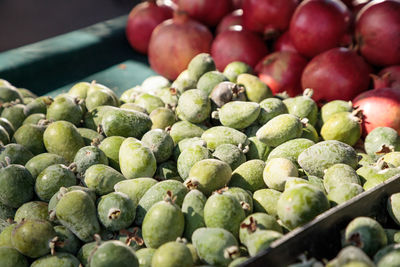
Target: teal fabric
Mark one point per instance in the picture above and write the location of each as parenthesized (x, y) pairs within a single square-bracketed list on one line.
[(92, 53)]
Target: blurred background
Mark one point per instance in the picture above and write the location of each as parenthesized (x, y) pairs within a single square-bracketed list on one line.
[(26, 21)]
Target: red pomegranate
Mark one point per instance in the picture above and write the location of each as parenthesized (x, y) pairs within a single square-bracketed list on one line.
[(380, 107), (175, 42), (268, 16), (338, 73), (209, 12), (235, 45), (284, 43), (141, 22), (319, 25), (281, 71), (388, 78), (232, 19), (378, 32)]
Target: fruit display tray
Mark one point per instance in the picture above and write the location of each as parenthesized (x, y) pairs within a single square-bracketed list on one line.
[(101, 52)]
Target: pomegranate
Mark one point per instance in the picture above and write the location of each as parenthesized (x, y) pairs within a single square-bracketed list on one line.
[(268, 16), (338, 73), (237, 4), (232, 19), (319, 25), (388, 78), (237, 45), (209, 12), (281, 71), (175, 42), (284, 43), (380, 107), (377, 32), (141, 22)]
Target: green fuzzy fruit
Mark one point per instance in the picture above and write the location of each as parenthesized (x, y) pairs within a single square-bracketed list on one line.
[(163, 222), (5, 235), (393, 207), (350, 255), (32, 237), (135, 188), (62, 138), (136, 160), (255, 222), (365, 233), (243, 196), (71, 243), (77, 211), (99, 95), (38, 106), (380, 136), (193, 106), (4, 136), (88, 135), (235, 68), (162, 118), (79, 90), (85, 253), (145, 256), (116, 211), (172, 254), (51, 179), (261, 240), (169, 96), (256, 90), (300, 204), (334, 107), (315, 159), (276, 171), (266, 200), (110, 146), (10, 257), (339, 174), (186, 143), (183, 82), (209, 175), (102, 178), (388, 256), (215, 246), (209, 80), (199, 65), (344, 192), (342, 126), (60, 260), (193, 211), (16, 153), (280, 129), (114, 253), (303, 106), (184, 129), (167, 171), (9, 94), (65, 108), (34, 210), (257, 149), (270, 108), (131, 236), (16, 186), (291, 149), (6, 212), (133, 106), (7, 126), (223, 211), (14, 114), (94, 117), (219, 135), (189, 157), (157, 193), (392, 158), (88, 156), (126, 123), (239, 114), (149, 102), (160, 143), (40, 162)]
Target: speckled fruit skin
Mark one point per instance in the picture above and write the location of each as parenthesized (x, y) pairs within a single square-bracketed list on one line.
[(303, 107), (71, 242), (36, 210), (40, 162), (163, 222), (209, 80), (338, 174), (193, 106), (65, 108), (300, 204), (261, 240), (230, 154), (235, 68), (344, 192), (315, 159), (88, 156), (393, 207), (160, 143), (184, 129), (16, 153), (199, 65), (110, 146), (381, 136), (333, 107), (219, 135), (102, 178), (249, 175), (193, 210), (77, 211), (223, 211), (290, 149), (265, 200), (145, 256), (256, 90), (60, 259), (149, 102), (172, 254), (277, 170), (31, 137), (342, 126), (189, 157), (114, 253), (135, 188), (211, 245), (10, 257), (365, 233), (239, 114), (262, 221)]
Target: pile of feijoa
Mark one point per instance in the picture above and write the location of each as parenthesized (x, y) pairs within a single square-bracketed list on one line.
[(208, 170)]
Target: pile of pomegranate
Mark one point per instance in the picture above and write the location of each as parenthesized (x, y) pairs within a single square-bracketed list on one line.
[(347, 50)]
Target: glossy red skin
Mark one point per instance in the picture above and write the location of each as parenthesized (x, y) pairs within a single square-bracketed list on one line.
[(281, 71), (388, 78), (175, 42), (319, 25), (378, 32), (380, 107), (264, 16), (338, 73), (237, 4), (232, 19), (243, 45), (284, 43), (141, 22), (209, 12)]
